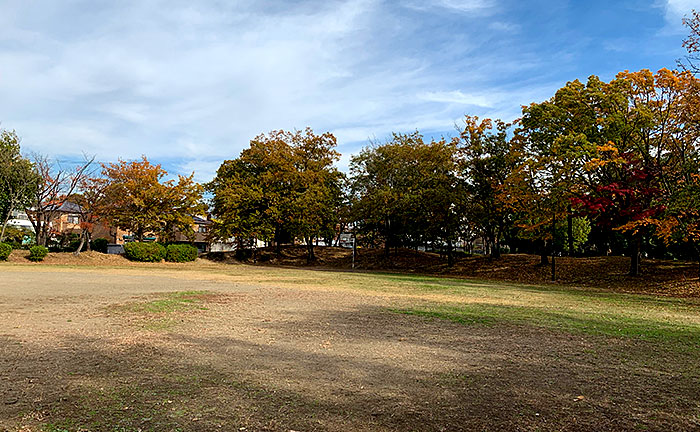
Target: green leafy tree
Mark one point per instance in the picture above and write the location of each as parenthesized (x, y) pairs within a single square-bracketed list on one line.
[(486, 164), (317, 187), (18, 179), (284, 183), (408, 192)]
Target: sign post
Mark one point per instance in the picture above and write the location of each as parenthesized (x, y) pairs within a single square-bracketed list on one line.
[(353, 251)]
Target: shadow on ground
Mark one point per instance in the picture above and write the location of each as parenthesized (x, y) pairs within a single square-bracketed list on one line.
[(360, 369)]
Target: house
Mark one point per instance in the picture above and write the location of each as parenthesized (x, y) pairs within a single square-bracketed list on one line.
[(68, 219), (201, 239)]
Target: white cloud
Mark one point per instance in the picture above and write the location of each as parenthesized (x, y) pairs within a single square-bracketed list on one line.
[(476, 7), (459, 98), (677, 9), (682, 7), (191, 83)]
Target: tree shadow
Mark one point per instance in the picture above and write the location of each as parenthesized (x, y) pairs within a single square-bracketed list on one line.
[(381, 371)]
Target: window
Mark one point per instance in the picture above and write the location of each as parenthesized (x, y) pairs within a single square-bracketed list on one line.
[(202, 229), (73, 220)]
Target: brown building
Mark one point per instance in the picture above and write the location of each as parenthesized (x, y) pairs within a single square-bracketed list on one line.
[(201, 237)]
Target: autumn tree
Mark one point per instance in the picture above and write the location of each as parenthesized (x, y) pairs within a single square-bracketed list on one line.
[(486, 149), (283, 184), (316, 192), (251, 192), (649, 125), (442, 195), (383, 182), (554, 140), (93, 206), (629, 203), (408, 192), (680, 220), (18, 179), (140, 200)]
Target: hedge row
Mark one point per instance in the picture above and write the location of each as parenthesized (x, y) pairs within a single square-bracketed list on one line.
[(181, 253), (144, 252), (156, 252), (99, 245)]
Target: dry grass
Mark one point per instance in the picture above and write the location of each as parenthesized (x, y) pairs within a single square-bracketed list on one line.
[(212, 346)]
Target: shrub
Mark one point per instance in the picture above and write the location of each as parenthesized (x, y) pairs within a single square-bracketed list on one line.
[(99, 245), (19, 238), (243, 254), (144, 252), (65, 242), (181, 253), (37, 253), (5, 251)]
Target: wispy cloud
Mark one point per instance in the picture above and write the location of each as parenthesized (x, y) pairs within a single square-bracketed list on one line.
[(677, 8), (191, 83), (463, 6), (458, 97)]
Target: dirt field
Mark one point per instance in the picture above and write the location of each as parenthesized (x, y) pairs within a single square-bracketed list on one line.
[(205, 346)]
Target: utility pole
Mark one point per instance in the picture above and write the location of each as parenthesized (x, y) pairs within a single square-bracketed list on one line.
[(554, 230)]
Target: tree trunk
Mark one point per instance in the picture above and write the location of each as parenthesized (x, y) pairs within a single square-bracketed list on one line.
[(310, 249), (337, 238), (42, 236), (495, 247), (387, 238), (450, 255), (4, 225), (495, 250), (83, 235), (278, 236), (634, 255)]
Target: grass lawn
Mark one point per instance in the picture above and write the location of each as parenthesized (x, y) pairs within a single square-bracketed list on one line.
[(208, 346)]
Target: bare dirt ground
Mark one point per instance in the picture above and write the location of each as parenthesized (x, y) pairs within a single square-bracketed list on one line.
[(113, 349)]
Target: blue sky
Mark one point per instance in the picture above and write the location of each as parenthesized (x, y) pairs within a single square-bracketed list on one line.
[(188, 84)]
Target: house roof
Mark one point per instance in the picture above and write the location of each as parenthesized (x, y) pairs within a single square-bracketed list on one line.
[(65, 207), (201, 221)]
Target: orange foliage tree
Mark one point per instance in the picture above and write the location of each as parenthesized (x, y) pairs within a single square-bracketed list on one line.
[(141, 201)]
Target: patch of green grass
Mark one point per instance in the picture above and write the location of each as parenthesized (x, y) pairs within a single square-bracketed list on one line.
[(169, 303), (158, 314), (669, 320), (591, 321)]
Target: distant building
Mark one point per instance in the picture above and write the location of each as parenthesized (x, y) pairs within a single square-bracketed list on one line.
[(201, 238), (68, 219), (19, 219)]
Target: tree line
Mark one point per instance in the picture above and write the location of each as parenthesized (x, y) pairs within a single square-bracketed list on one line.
[(612, 166), (132, 196)]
